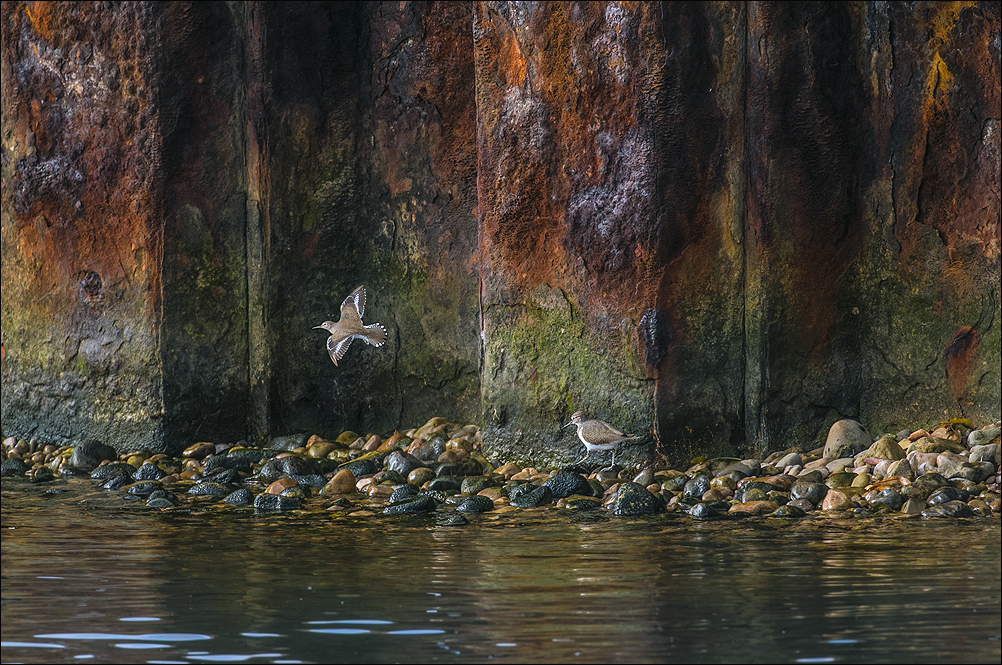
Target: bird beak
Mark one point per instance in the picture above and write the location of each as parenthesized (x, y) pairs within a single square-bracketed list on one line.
[(567, 425), (315, 327)]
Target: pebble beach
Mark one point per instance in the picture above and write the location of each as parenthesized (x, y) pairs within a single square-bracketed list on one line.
[(950, 470)]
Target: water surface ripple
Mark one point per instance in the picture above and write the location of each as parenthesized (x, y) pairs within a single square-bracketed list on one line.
[(90, 577)]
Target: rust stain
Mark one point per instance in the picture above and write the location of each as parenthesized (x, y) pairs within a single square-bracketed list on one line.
[(958, 357)]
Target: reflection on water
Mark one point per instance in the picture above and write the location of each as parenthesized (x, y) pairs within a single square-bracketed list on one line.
[(90, 577)]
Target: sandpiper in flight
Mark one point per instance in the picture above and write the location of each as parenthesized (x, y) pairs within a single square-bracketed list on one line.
[(350, 326)]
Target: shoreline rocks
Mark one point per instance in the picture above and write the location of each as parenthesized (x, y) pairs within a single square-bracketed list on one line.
[(951, 472)]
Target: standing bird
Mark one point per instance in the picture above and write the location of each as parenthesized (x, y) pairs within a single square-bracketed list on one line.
[(597, 434), (350, 326)]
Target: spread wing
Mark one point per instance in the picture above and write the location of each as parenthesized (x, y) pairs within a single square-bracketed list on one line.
[(357, 299), (337, 348)]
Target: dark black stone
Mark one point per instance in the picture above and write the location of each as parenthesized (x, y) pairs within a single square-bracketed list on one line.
[(634, 499), (443, 484), (531, 498), (275, 502), (12, 466), (888, 497), (476, 484), (159, 503), (392, 477), (462, 469), (511, 487), (402, 492), (361, 467), (296, 492), (209, 488), (696, 486), (706, 509), (149, 471), (218, 463), (808, 491), (42, 475), (240, 497), (475, 504), (943, 495), (420, 503), (288, 442), (788, 511), (117, 481), (246, 457), (113, 469), (89, 453), (292, 465), (224, 476), (949, 509), (748, 493), (142, 488), (452, 520), (567, 483), (401, 462), (309, 480)]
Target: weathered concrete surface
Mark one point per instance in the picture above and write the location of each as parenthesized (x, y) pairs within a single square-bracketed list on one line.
[(81, 237), (371, 180), (565, 185), (720, 226)]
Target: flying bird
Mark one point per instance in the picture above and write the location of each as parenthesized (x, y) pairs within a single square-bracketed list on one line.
[(350, 326)]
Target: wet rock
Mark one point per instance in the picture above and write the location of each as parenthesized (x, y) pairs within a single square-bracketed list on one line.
[(461, 469), (240, 497), (41, 475), (566, 483), (293, 465), (401, 462), (199, 450), (803, 504), (887, 497), (420, 503), (810, 476), (580, 503), (314, 480), (402, 492), (113, 469), (443, 484), (89, 453), (705, 509), (361, 467), (861, 480), (476, 484), (159, 502), (142, 488), (840, 479), (420, 476), (789, 511), (839, 465), (750, 493), (913, 506), (343, 482), (754, 507), (475, 504), (634, 499), (696, 487), (845, 439), (949, 509), (209, 488), (452, 520), (288, 442), (280, 485), (299, 492), (12, 466), (944, 495), (220, 463), (744, 468), (532, 498), (836, 500), (275, 502), (223, 476), (149, 471), (117, 481), (244, 458), (812, 492)]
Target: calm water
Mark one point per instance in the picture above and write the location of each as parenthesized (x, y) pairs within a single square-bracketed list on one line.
[(88, 577)]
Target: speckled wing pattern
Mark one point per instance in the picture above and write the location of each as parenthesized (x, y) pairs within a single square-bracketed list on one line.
[(337, 348), (356, 298)]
